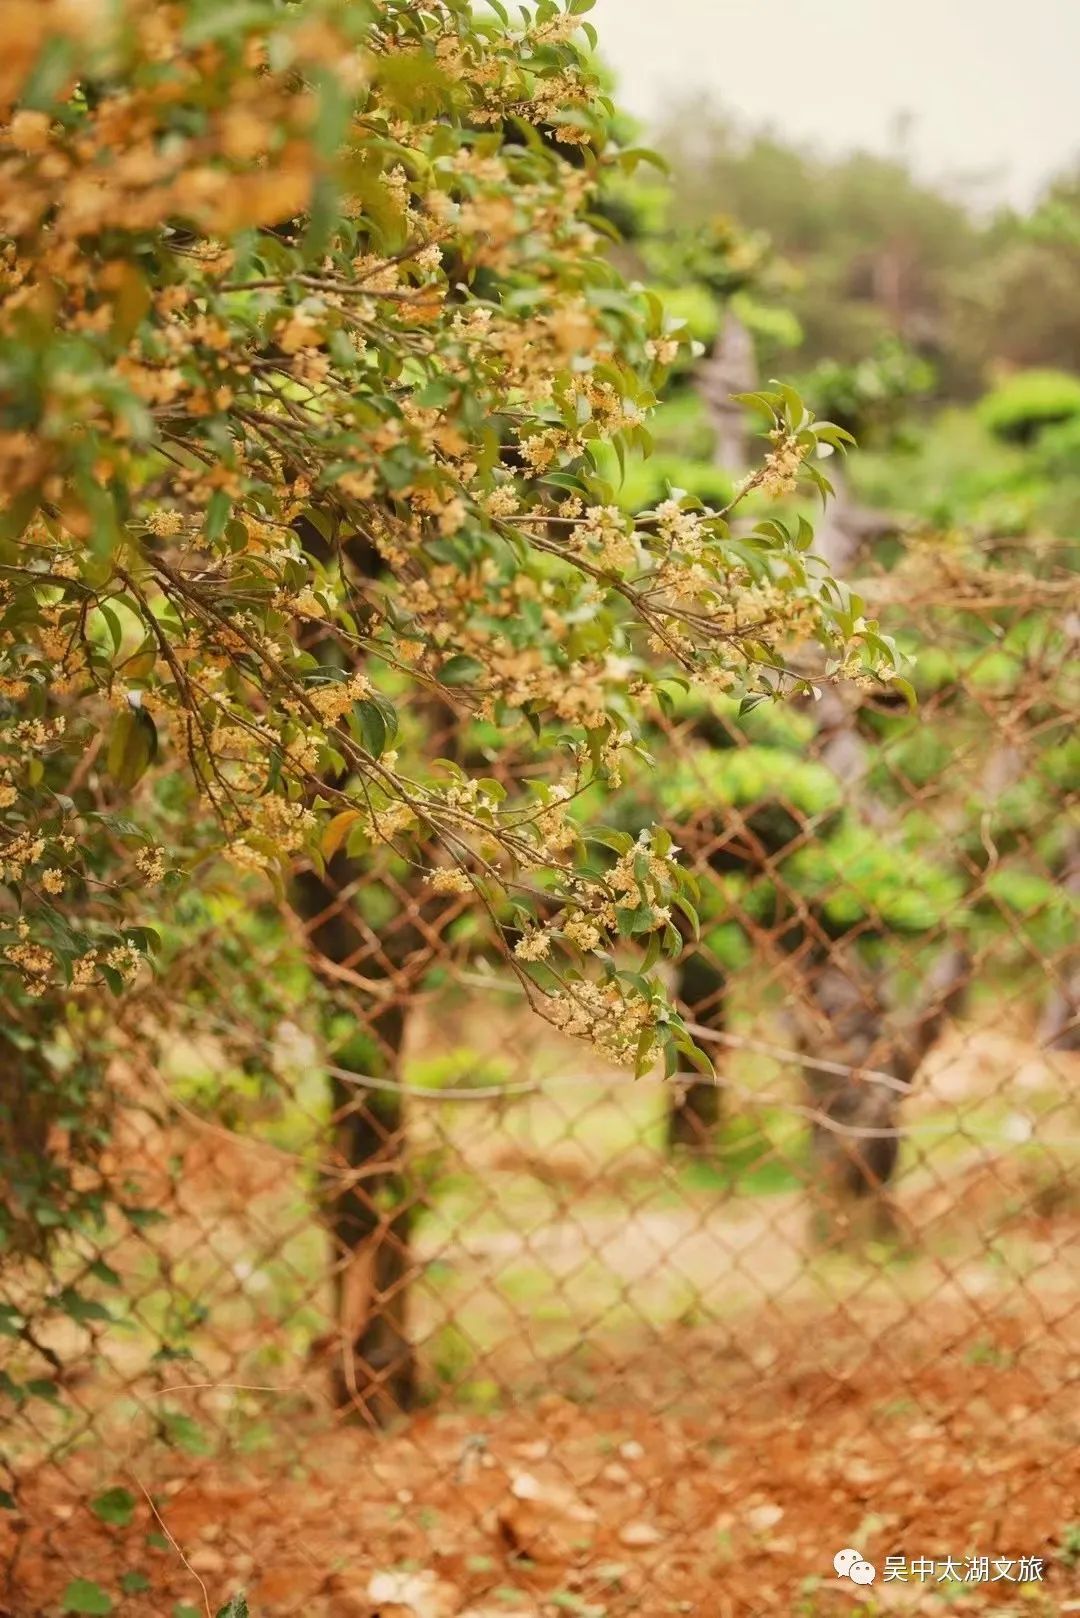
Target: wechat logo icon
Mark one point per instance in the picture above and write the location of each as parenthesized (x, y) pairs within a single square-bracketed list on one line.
[(849, 1564)]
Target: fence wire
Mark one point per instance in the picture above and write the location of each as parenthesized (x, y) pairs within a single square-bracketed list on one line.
[(420, 1310)]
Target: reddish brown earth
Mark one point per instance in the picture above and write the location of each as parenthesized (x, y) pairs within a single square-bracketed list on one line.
[(708, 1475)]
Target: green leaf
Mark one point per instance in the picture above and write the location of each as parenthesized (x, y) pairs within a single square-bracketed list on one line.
[(324, 211), (7, 1501), (689, 912), (76, 1307), (372, 723), (337, 830), (460, 670), (620, 842), (186, 1433), (217, 514), (225, 21), (13, 1390), (133, 746), (436, 393), (115, 1506), (564, 480), (696, 1056), (50, 74), (116, 634), (643, 1054), (41, 1388), (334, 105), (83, 1596), (631, 156), (764, 403), (11, 1322), (839, 437), (131, 1583), (235, 1607)]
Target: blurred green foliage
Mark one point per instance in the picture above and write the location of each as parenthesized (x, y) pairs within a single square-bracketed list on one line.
[(870, 396), (950, 470), (866, 251), (1022, 406)]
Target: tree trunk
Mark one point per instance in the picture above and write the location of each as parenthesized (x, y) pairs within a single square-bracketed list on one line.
[(370, 1223), (694, 1109), (29, 1104), (693, 1115), (855, 1135), (855, 1138), (730, 368), (365, 1194), (854, 1147)]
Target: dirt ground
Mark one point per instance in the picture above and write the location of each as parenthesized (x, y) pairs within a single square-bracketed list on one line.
[(711, 1475), (632, 1455)]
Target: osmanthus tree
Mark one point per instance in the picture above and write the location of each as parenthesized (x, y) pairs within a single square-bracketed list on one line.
[(308, 340)]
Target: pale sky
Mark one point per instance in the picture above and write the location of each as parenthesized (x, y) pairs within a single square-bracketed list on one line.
[(993, 85)]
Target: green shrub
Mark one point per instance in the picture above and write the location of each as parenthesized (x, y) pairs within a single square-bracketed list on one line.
[(857, 878), (870, 396), (744, 778), (1020, 408), (681, 427), (1058, 449), (1030, 907), (773, 329)]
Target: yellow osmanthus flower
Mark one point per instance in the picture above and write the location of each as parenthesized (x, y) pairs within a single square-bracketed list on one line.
[(583, 932), (35, 965), (445, 880), (610, 1017), (151, 864), (535, 946)]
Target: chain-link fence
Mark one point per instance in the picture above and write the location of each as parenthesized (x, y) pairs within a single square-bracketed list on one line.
[(415, 1308)]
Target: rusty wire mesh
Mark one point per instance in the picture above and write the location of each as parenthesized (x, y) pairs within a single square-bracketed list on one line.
[(428, 1312)]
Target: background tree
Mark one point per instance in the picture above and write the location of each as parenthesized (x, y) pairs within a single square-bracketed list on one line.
[(874, 254), (801, 853)]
